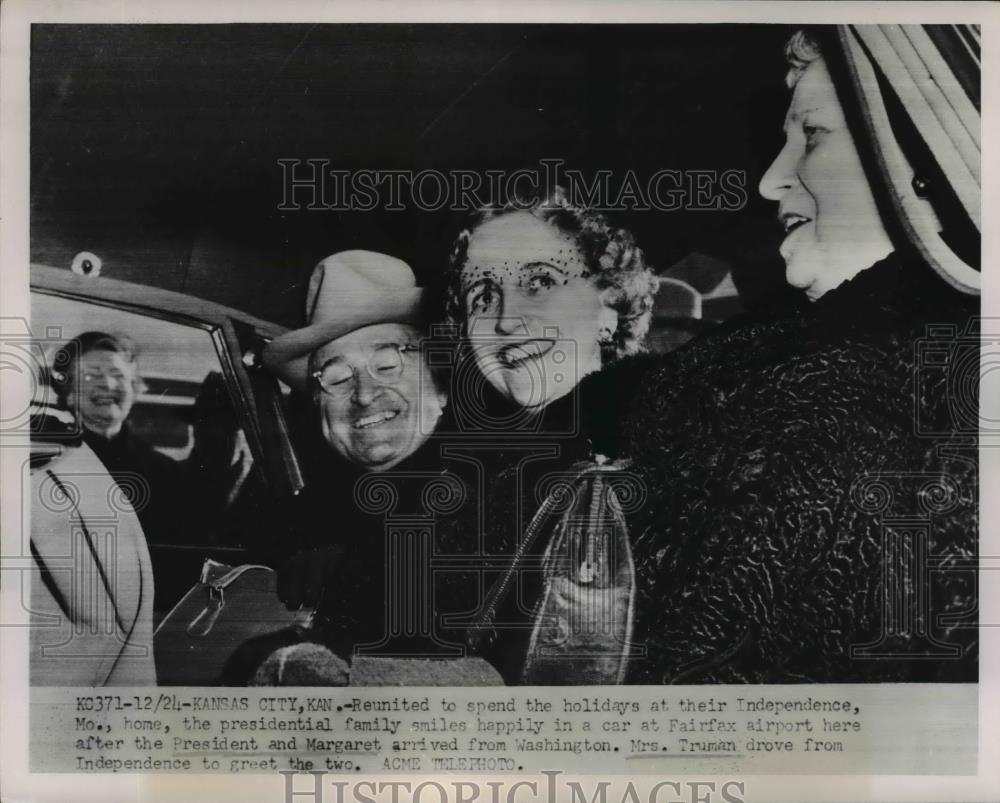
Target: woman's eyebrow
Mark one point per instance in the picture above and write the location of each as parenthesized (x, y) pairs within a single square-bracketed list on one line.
[(541, 264), (796, 115), (477, 284), (800, 113)]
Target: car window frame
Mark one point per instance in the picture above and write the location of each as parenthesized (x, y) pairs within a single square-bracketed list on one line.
[(267, 434)]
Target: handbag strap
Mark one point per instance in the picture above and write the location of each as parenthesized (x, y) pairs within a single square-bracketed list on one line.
[(212, 568), (582, 633), (215, 579), (483, 631)]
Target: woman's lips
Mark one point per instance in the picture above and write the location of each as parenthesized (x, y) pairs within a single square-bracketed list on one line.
[(794, 233), (516, 354)]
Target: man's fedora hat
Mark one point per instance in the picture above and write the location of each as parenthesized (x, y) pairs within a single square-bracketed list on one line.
[(347, 291)]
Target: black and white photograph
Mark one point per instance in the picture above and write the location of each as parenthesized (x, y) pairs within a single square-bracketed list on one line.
[(379, 359)]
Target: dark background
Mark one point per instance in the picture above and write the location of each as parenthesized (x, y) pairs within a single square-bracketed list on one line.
[(156, 146)]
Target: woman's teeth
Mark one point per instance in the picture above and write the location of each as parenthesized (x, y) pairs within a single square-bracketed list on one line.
[(790, 222), (513, 355), (376, 419)]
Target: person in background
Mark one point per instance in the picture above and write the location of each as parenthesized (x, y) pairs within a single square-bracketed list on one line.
[(94, 509), (98, 381)]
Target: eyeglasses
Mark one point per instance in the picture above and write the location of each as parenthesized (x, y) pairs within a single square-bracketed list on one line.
[(385, 366)]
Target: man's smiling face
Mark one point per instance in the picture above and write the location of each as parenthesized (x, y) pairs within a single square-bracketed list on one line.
[(377, 399)]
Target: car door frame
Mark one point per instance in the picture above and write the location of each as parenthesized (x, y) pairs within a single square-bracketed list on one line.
[(238, 339)]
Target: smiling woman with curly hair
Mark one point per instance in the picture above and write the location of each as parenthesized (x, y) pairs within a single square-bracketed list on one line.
[(546, 294)]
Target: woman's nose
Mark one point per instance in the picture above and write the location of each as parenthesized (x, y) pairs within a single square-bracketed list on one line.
[(780, 176), (511, 325), (510, 320)]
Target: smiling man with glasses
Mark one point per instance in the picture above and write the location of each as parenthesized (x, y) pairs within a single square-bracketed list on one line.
[(359, 356), (377, 398), (360, 362)]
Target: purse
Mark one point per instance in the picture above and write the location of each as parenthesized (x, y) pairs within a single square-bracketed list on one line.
[(582, 623)]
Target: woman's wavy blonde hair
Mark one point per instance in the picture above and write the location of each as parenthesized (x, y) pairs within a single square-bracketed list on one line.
[(613, 259), (801, 50)]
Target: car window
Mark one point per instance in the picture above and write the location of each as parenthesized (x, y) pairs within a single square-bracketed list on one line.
[(180, 433), (174, 362)]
